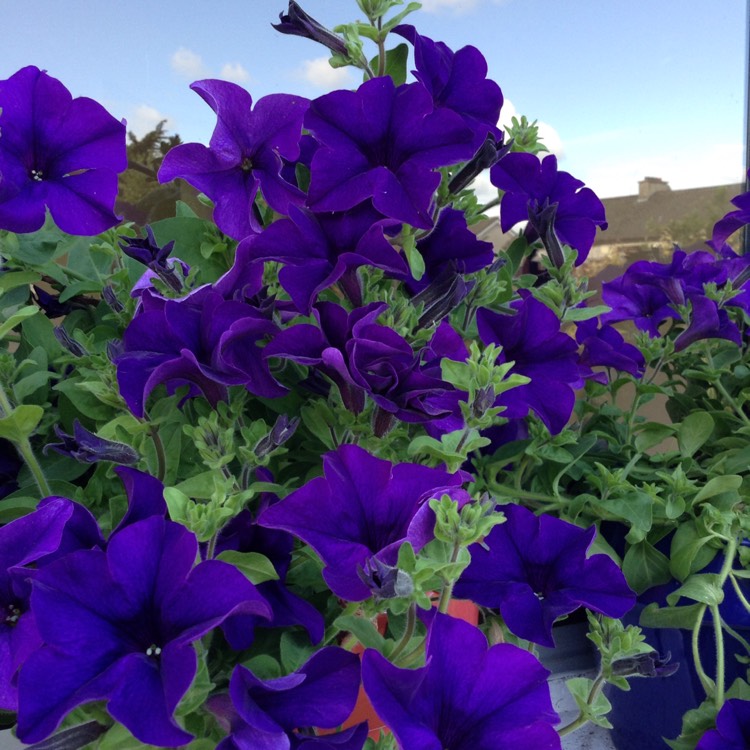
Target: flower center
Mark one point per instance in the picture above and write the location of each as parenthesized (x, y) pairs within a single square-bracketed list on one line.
[(153, 651), (36, 175), (12, 616), (247, 164)]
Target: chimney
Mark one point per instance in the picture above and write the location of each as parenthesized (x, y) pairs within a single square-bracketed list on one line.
[(650, 185)]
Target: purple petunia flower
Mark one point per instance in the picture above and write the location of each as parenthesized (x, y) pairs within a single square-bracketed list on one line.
[(732, 728), (119, 626), (383, 142), (23, 542), (451, 244), (730, 223), (276, 713), (244, 534), (201, 340), (457, 81), (533, 341), (534, 569), (321, 249), (245, 153), (298, 23), (59, 153), (348, 521), (466, 697), (538, 193), (604, 346)]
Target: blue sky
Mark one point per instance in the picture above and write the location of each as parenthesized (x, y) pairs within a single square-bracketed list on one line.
[(625, 89)]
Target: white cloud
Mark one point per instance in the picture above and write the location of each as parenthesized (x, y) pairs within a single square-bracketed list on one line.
[(145, 118), (716, 164), (234, 72), (188, 64), (320, 74)]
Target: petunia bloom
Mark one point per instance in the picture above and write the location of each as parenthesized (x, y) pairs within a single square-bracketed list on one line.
[(276, 713), (118, 625), (533, 188), (347, 521), (201, 340), (457, 81), (59, 153), (22, 543), (466, 697), (533, 341), (245, 153), (534, 569), (732, 728), (384, 143), (318, 250), (603, 346)]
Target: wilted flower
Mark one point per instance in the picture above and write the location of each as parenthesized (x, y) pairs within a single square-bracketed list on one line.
[(650, 664), (59, 153), (89, 448), (295, 21)]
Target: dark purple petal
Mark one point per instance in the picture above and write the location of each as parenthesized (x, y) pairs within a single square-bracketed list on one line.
[(535, 569), (472, 698), (347, 521), (58, 153)]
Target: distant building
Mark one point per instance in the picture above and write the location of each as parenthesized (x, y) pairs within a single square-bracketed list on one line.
[(647, 225)]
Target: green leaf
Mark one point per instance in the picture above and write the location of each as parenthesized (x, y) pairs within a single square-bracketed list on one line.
[(395, 63), (256, 568), (396, 20), (644, 566), (362, 629), (16, 507), (688, 551), (16, 318), (12, 279), (684, 617), (635, 507), (295, 649), (413, 256), (21, 422), (700, 587), (693, 432), (718, 485), (651, 434), (178, 504)]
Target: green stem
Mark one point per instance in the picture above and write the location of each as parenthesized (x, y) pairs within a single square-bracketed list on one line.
[(706, 682), (411, 621), (738, 410), (737, 590), (161, 458), (719, 639), (581, 719), (211, 548), (491, 204), (381, 49), (447, 592), (24, 449)]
